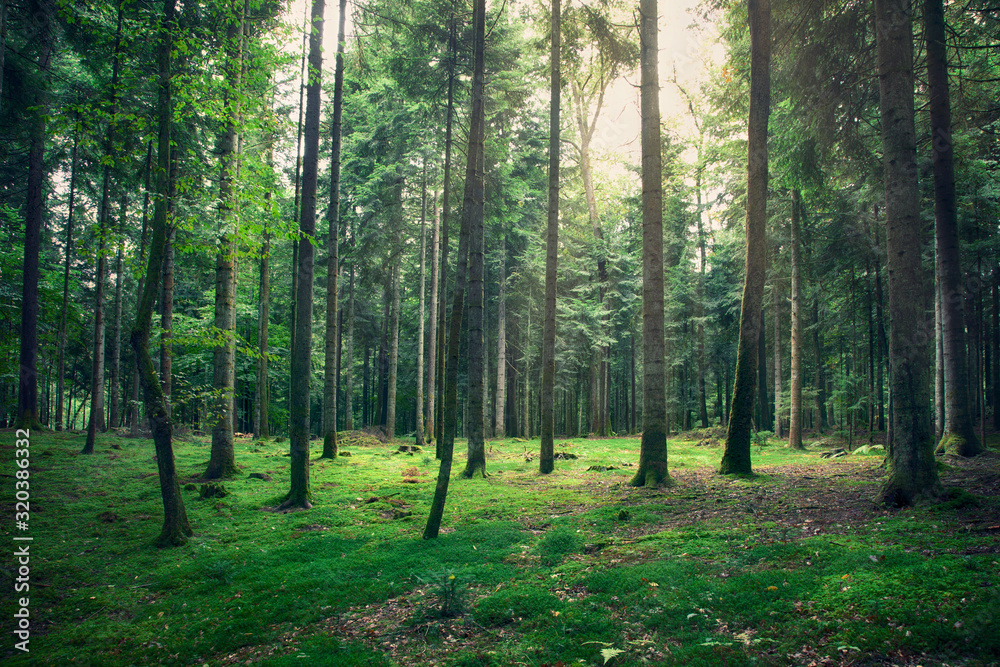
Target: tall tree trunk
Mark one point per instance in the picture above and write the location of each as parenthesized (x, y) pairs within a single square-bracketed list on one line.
[(473, 188), (939, 409), (912, 469), (501, 396), (262, 400), (97, 422), (881, 337), (432, 334), (475, 463), (222, 460), (795, 399), (778, 417), (763, 412), (27, 393), (382, 362), (546, 460), (959, 435), (331, 377), (299, 494), (736, 458), (176, 528), (116, 344), (393, 375), (134, 401), (349, 364), (166, 299), (652, 469), (61, 363), (445, 208), (419, 430)]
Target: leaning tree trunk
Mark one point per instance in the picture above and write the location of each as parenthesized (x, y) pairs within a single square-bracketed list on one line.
[(652, 470), (299, 493), (176, 528), (222, 460), (912, 469), (330, 374), (736, 457), (959, 436), (795, 400), (546, 460), (473, 187)]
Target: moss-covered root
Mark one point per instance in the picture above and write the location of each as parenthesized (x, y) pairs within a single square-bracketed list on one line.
[(959, 445), (901, 492)]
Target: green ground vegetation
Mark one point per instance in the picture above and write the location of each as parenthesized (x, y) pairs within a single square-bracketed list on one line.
[(796, 565)]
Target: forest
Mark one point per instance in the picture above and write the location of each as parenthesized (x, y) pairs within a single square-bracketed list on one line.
[(458, 332)]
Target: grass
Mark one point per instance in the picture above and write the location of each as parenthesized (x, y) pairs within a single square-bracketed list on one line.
[(793, 566)]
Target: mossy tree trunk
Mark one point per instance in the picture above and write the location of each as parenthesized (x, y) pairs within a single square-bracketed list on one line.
[(736, 457)]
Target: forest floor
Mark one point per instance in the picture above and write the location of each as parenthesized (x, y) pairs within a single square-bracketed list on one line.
[(796, 565)]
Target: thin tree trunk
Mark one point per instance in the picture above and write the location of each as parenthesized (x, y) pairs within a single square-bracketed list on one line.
[(116, 345), (331, 377), (97, 422), (473, 187), (652, 469), (995, 343), (393, 376), (445, 207), (795, 399), (134, 401), (432, 335), (546, 459), (501, 396), (419, 430), (778, 421), (736, 458), (61, 363), (349, 365), (263, 398), (299, 494), (912, 469)]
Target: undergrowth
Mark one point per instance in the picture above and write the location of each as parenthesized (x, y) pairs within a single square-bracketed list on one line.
[(572, 568)]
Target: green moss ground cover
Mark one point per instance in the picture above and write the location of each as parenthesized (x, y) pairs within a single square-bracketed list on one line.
[(795, 566)]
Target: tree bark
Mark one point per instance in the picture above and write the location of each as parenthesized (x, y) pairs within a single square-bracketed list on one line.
[(432, 334), (61, 363), (736, 458), (912, 469), (299, 494), (349, 364), (222, 460), (473, 187), (501, 395), (959, 436), (546, 459), (134, 401), (419, 430), (331, 377), (393, 375), (116, 344), (779, 432), (176, 528), (262, 400), (795, 399), (652, 469)]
